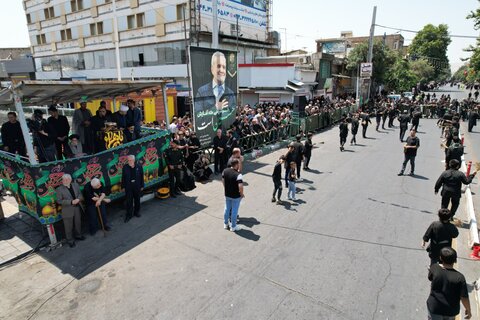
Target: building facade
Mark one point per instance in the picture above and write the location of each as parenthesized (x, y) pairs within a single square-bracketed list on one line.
[(76, 38)]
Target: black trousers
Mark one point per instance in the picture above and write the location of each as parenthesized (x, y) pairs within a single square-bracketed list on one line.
[(219, 162), (402, 132), (62, 149), (408, 158), (364, 131), (343, 139), (383, 122), (306, 160), (299, 167), (132, 196), (414, 126), (354, 138), (174, 179), (287, 172), (277, 188), (454, 199)]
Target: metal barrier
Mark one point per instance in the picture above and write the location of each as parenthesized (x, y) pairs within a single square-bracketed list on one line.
[(307, 124)]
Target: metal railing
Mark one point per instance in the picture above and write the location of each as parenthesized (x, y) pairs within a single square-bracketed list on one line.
[(257, 140)]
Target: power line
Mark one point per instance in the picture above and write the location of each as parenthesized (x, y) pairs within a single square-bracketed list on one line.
[(413, 31)]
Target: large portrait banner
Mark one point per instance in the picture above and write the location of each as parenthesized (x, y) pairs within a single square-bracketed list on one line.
[(215, 86)]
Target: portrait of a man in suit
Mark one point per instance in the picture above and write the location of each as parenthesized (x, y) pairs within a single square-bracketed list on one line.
[(215, 96)]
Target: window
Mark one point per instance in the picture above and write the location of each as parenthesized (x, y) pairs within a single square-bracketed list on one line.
[(140, 20), (108, 1), (66, 34), (136, 21), (395, 45), (96, 28), (41, 39), (77, 5), (180, 11), (29, 19), (49, 13)]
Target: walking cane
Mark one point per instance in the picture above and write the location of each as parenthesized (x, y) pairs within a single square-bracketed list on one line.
[(101, 220)]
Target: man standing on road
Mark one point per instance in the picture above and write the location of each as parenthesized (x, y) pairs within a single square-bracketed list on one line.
[(472, 118), (365, 121), (416, 115), (440, 234), (343, 133), (404, 119), (132, 182), (307, 151), (219, 151), (410, 149), (277, 180), (451, 182), (448, 288), (174, 157), (233, 187), (354, 128), (298, 152), (454, 151)]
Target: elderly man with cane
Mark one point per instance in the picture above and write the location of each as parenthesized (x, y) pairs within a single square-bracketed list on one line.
[(70, 198), (95, 200), (132, 182)]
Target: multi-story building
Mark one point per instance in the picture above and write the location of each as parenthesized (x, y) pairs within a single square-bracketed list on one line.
[(77, 38)]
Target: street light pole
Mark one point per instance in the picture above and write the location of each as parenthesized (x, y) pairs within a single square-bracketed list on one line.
[(237, 35), (116, 38)]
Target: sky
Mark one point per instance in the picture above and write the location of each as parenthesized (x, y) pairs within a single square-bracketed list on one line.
[(308, 20)]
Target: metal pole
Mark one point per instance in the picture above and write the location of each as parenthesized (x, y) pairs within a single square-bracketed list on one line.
[(215, 25), (116, 39), (356, 92), (370, 47), (237, 35), (165, 103), (187, 58), (114, 106), (23, 124)]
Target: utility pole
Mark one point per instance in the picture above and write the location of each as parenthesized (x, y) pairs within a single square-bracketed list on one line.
[(187, 57), (116, 39), (215, 25), (370, 47), (237, 35), (285, 29)]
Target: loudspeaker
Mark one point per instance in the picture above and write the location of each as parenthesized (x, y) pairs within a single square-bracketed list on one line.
[(300, 103)]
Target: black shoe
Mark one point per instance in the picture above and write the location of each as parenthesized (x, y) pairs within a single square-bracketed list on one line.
[(178, 193), (411, 174), (126, 219), (138, 215), (273, 199), (108, 228), (81, 238), (72, 244), (400, 173)]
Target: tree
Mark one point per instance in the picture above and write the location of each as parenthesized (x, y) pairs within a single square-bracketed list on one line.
[(400, 77), (383, 59), (431, 43), (473, 69), (422, 69), (461, 74)]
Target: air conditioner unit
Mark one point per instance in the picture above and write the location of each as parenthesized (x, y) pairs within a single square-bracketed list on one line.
[(303, 60)]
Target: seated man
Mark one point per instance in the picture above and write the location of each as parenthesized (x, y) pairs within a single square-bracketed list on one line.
[(201, 169), (95, 200), (75, 146)]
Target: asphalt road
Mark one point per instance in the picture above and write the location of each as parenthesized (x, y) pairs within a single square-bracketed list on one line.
[(348, 249)]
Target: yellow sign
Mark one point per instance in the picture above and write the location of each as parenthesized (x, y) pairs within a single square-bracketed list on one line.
[(113, 138)]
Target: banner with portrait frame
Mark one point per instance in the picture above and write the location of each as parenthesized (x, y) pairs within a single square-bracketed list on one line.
[(214, 83)]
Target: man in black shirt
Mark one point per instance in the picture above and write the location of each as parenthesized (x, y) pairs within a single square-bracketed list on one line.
[(416, 115), (298, 153), (98, 126), (233, 187), (307, 151), (354, 129), (43, 137), (95, 200), (451, 182), (219, 152), (448, 288), (404, 119), (343, 133), (174, 158), (365, 121), (132, 182), (12, 136), (439, 234), (410, 149), (61, 126), (277, 180)]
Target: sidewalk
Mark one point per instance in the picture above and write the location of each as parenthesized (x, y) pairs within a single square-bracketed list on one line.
[(19, 233)]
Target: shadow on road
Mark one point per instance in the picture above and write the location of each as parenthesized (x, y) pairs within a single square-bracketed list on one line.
[(249, 222), (248, 234), (416, 176), (97, 250)]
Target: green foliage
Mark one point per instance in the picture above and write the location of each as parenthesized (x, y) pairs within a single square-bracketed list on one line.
[(400, 76), (432, 43), (383, 59), (422, 69), (460, 74), (473, 67)]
